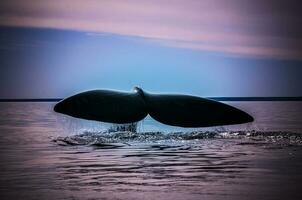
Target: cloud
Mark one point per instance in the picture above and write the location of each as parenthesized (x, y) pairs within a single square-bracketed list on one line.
[(237, 27)]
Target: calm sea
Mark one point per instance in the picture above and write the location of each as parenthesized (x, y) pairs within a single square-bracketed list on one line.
[(45, 155)]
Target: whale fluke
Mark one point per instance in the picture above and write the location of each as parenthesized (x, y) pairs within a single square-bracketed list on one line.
[(104, 105), (176, 110), (191, 111)]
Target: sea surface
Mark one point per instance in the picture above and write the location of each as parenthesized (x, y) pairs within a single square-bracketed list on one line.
[(45, 155)]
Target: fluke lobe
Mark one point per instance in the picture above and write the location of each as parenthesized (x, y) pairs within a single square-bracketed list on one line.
[(171, 109)]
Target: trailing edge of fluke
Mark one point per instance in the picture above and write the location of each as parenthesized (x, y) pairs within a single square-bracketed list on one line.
[(171, 109)]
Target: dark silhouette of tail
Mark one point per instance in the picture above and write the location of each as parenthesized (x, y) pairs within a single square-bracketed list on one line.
[(176, 110)]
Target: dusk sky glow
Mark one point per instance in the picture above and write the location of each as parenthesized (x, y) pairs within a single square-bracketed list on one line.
[(207, 48)]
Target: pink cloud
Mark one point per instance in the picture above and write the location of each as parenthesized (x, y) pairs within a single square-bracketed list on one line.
[(209, 25)]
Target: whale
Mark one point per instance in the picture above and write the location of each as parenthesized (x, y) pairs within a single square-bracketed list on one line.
[(171, 109)]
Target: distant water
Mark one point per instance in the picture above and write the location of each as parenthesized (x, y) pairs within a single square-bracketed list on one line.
[(45, 155)]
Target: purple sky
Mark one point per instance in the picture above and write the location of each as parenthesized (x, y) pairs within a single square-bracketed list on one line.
[(257, 34), (241, 27)]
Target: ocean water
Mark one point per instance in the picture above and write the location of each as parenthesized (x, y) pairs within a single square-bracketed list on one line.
[(45, 155)]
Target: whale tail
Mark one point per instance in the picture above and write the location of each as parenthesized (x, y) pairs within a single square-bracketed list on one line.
[(175, 110)]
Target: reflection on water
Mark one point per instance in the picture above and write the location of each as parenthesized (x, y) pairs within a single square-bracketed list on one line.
[(43, 159)]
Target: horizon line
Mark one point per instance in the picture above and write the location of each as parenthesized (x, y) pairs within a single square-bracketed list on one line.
[(259, 98)]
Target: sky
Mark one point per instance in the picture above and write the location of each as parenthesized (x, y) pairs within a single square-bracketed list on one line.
[(53, 49)]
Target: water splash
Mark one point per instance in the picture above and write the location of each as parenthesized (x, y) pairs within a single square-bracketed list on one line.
[(129, 138)]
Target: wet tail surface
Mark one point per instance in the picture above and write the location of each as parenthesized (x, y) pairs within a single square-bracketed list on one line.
[(175, 110)]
